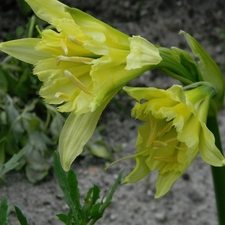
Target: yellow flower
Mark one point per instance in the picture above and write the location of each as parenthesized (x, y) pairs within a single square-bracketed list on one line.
[(173, 133), (82, 64)]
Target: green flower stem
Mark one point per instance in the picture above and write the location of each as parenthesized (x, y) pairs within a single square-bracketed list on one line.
[(175, 69), (218, 173)]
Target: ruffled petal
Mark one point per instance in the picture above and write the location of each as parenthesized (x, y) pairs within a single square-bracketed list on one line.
[(144, 93)]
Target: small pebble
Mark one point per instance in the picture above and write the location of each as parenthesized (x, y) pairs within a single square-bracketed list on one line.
[(160, 216)]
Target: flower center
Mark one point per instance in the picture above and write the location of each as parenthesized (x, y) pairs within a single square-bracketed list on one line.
[(65, 45), (163, 139)]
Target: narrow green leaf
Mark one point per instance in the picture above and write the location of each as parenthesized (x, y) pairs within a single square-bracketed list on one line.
[(3, 211), (62, 217), (188, 62), (20, 216), (92, 195), (74, 191), (63, 183), (89, 202), (98, 209), (107, 199), (96, 212), (13, 162), (3, 82)]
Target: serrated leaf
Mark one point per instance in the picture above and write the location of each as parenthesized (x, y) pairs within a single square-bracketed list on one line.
[(3, 211), (74, 190), (63, 183), (95, 211), (98, 210), (89, 202), (93, 195), (20, 216)]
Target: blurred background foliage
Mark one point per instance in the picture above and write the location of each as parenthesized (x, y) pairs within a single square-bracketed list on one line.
[(26, 121)]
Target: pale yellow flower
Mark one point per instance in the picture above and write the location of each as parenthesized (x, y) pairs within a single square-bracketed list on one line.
[(82, 64), (173, 133)]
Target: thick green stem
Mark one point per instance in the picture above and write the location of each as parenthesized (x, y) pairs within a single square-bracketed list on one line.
[(218, 173)]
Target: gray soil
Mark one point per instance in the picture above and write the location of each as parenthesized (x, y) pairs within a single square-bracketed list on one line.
[(191, 199)]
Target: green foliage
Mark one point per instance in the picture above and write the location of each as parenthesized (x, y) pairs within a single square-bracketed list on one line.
[(92, 209), (12, 163), (27, 124), (4, 207), (3, 212), (24, 7), (22, 219)]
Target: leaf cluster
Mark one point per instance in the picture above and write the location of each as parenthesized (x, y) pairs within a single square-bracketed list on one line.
[(27, 124), (79, 214), (92, 209)]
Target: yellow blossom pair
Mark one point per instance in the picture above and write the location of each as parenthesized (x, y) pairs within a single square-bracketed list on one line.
[(82, 64), (174, 132)]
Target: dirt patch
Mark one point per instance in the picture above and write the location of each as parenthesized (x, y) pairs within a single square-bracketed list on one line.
[(191, 199)]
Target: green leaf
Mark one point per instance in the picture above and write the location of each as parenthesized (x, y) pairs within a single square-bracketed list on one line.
[(98, 210), (66, 187), (13, 162), (92, 209), (92, 196), (20, 216), (188, 62), (3, 211), (24, 7), (74, 191), (209, 70), (100, 150), (62, 217), (3, 82), (2, 153)]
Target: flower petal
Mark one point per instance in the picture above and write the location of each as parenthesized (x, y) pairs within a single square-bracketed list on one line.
[(76, 132), (92, 27), (24, 50), (49, 10), (143, 53), (140, 171), (144, 93), (164, 182), (208, 150)]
